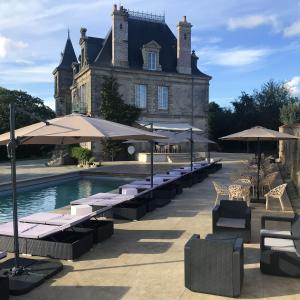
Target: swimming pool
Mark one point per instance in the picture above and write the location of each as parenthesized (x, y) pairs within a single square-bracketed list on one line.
[(45, 198)]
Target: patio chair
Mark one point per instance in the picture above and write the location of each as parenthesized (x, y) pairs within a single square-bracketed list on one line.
[(232, 217), (251, 180), (268, 181), (214, 266), (280, 250), (239, 191), (276, 193), (221, 190)]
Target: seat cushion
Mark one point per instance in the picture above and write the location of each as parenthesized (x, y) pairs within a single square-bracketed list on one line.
[(231, 223), (280, 244), (265, 231)]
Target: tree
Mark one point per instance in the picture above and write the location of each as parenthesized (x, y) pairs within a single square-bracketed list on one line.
[(113, 108), (269, 99), (29, 110), (245, 112), (290, 113)]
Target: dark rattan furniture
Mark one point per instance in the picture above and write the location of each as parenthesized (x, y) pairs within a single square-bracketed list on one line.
[(214, 266), (4, 285), (280, 250), (232, 217)]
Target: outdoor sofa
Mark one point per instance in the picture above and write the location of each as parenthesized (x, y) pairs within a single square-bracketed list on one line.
[(280, 250), (232, 218), (214, 265)]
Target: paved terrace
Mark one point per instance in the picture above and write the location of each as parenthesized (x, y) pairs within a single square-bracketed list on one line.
[(144, 259)]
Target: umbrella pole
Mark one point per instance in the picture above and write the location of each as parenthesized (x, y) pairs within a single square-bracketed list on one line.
[(12, 154), (191, 140), (152, 160), (258, 167)]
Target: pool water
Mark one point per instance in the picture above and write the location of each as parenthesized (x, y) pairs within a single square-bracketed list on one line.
[(42, 199)]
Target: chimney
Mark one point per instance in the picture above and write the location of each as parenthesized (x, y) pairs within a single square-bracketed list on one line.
[(194, 59), (184, 47), (119, 37)]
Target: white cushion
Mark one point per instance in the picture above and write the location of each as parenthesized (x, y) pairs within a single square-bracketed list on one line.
[(3, 254), (231, 222), (129, 191), (39, 218), (79, 210), (275, 231), (280, 244)]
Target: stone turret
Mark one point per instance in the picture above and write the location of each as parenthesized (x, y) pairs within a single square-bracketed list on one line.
[(119, 37), (184, 47), (63, 79)]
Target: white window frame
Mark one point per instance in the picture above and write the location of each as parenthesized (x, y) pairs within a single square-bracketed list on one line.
[(141, 95), (163, 97), (152, 60)]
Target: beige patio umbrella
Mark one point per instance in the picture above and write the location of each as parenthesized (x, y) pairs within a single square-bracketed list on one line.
[(75, 128), (70, 129), (258, 134)]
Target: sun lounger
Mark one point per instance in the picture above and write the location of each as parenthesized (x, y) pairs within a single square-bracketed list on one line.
[(49, 234)]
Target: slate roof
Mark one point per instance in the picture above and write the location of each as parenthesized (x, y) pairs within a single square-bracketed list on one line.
[(68, 56), (140, 32), (94, 45)]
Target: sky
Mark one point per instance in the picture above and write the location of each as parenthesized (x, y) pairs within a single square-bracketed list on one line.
[(241, 44)]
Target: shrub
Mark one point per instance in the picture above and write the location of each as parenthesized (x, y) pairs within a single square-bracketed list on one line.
[(83, 155)]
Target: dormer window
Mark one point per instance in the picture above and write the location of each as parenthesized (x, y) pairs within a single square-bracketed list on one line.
[(150, 53), (152, 61)]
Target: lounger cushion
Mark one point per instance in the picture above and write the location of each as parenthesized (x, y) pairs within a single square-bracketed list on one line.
[(39, 218), (39, 231), (231, 222), (280, 245), (7, 228)]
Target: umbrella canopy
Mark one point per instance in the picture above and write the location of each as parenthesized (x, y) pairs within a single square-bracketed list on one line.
[(75, 128), (258, 133)]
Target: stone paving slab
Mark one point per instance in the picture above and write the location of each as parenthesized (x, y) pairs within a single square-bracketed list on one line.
[(144, 259)]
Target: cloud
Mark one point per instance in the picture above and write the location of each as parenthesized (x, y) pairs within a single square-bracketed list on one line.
[(292, 30), (294, 85), (234, 57), (7, 46), (252, 21), (27, 74)]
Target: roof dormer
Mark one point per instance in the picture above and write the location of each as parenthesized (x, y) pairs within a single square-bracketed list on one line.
[(150, 52)]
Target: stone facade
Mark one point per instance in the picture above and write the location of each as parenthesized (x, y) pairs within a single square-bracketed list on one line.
[(188, 88), (289, 153)]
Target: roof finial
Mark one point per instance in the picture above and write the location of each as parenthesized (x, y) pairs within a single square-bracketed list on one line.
[(68, 33)]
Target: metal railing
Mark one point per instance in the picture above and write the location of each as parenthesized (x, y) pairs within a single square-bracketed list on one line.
[(146, 16)]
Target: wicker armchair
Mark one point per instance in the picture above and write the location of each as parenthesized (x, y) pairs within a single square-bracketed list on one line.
[(239, 191), (276, 193), (221, 190), (280, 250), (233, 218), (214, 266)]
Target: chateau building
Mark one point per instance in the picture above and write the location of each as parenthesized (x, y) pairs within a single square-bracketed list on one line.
[(156, 71)]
